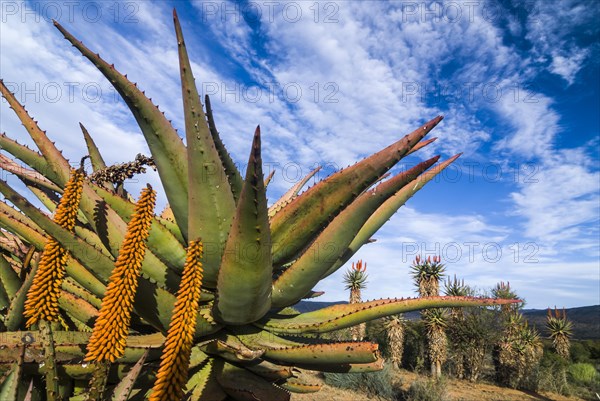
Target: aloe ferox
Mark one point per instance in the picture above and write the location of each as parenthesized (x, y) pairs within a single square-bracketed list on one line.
[(217, 315)]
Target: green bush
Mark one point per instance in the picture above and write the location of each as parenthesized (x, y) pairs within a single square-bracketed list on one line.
[(427, 390), (580, 353), (583, 373), (371, 383), (413, 357), (552, 374)]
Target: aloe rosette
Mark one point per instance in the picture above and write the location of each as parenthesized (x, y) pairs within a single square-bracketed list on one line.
[(232, 338)]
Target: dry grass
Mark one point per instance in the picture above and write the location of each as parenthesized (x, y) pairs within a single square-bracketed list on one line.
[(458, 390)]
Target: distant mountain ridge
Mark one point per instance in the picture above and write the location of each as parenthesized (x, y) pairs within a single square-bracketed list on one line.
[(586, 319)]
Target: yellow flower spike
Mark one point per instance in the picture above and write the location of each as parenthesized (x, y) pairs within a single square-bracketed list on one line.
[(107, 342), (172, 374), (42, 297)]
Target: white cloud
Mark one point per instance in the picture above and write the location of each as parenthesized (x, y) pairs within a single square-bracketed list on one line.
[(550, 28), (568, 65), (561, 203)]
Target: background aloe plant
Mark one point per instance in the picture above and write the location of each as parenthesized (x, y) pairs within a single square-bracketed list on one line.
[(241, 341)]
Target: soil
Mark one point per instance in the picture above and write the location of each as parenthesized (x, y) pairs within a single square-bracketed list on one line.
[(458, 390)]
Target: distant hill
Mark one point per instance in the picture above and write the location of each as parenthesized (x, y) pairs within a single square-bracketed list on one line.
[(586, 319)]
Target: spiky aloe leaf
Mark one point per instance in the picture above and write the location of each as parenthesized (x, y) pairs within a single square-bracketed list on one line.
[(28, 156), (350, 352), (84, 252), (4, 303), (203, 384), (346, 315), (161, 241), (245, 278), (345, 367), (95, 155), (421, 145), (288, 351), (9, 278), (23, 226), (152, 303), (52, 388), (153, 269), (104, 221), (301, 384), (165, 144), (211, 203), (244, 385), (271, 371), (58, 167), (10, 386), (291, 193), (387, 210), (233, 174), (123, 390), (296, 281), (78, 308), (15, 222), (14, 316), (28, 176), (269, 178), (296, 224)]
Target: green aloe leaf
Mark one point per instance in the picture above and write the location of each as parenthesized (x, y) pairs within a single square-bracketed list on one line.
[(166, 146), (9, 278), (152, 303), (78, 308), (269, 178), (297, 223), (344, 352), (245, 278), (345, 367), (123, 390), (211, 203), (203, 384), (27, 175), (346, 315), (233, 174), (50, 371), (244, 385), (387, 210), (160, 241), (58, 166), (95, 156), (10, 386), (291, 194), (28, 156), (271, 371), (301, 384), (14, 316), (297, 281)]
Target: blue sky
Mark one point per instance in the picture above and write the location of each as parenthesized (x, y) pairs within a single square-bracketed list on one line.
[(331, 82)]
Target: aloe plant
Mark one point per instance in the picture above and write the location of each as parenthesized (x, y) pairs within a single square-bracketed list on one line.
[(355, 279), (192, 323), (561, 330)]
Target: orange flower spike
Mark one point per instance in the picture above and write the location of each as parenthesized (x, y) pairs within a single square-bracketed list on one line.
[(109, 336), (173, 371), (42, 297)]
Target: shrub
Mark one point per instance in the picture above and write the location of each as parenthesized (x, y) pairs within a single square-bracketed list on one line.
[(552, 375), (372, 383), (427, 390), (413, 357), (580, 353), (583, 373)]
